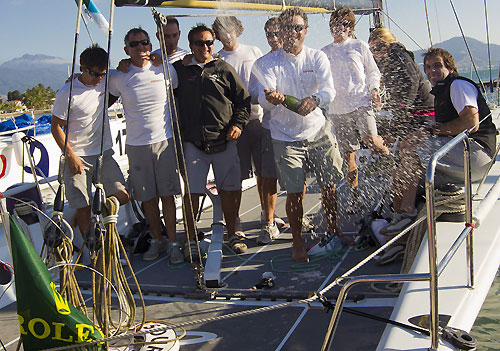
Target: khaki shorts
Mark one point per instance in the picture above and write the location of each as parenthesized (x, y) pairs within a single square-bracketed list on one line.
[(320, 155), (153, 170), (352, 126), (255, 148), (79, 186), (225, 165)]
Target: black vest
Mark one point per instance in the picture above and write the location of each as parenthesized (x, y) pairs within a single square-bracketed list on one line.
[(445, 112)]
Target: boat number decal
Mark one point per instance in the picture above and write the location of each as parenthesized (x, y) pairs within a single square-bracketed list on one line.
[(42, 167), (119, 142), (3, 159)]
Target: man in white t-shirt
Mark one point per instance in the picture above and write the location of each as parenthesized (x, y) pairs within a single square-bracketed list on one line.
[(84, 130), (242, 57), (150, 147), (302, 137), (357, 80), (171, 35)]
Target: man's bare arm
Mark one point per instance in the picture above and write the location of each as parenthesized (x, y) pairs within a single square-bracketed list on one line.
[(468, 118), (74, 163)]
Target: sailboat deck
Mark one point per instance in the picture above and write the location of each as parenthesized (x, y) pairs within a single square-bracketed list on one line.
[(170, 291)]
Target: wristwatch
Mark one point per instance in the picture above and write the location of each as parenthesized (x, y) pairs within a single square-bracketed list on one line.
[(316, 99)]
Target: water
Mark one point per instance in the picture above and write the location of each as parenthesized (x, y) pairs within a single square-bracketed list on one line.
[(484, 74), (487, 327)]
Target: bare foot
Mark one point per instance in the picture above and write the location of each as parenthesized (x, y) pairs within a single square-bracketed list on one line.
[(300, 255)]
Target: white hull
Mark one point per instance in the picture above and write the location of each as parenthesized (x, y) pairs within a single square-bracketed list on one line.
[(456, 298)]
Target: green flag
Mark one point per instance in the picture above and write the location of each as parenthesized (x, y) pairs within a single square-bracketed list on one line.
[(46, 319)]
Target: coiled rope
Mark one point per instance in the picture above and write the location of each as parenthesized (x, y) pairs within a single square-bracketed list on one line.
[(112, 271)]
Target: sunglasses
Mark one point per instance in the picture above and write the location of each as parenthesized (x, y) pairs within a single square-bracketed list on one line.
[(294, 27), (203, 42), (95, 74), (272, 34), (134, 44)]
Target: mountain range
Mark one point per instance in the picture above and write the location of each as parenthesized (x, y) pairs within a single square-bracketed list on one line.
[(479, 50), (27, 71)]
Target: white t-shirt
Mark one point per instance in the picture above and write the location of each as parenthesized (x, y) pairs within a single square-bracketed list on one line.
[(462, 94), (178, 55), (354, 73), (85, 122), (242, 59), (144, 97), (302, 75), (255, 87)]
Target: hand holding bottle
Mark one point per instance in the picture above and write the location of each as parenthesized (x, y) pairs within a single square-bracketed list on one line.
[(302, 107), (274, 97)]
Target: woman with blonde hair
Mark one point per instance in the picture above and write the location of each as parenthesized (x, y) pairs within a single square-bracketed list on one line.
[(408, 91)]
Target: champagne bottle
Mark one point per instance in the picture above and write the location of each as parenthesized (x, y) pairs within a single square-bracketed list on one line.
[(291, 103)]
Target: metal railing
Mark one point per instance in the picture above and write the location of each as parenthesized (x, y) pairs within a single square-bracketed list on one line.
[(435, 269)]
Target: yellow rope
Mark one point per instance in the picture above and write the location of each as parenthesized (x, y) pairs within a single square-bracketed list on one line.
[(112, 270)]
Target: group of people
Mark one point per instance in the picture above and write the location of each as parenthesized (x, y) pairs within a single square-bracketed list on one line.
[(278, 115)]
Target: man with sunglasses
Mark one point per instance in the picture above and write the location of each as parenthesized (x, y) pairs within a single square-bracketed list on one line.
[(171, 36), (150, 147), (84, 130), (213, 109), (300, 139)]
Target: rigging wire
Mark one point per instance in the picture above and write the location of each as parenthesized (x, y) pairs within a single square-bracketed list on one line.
[(437, 21), (402, 30), (488, 43), (87, 28), (160, 20), (428, 23), (468, 49), (59, 199)]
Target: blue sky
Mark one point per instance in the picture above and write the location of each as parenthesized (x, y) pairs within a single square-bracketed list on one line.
[(48, 26)]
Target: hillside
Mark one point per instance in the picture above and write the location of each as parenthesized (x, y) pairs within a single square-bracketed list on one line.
[(459, 51), (27, 71)]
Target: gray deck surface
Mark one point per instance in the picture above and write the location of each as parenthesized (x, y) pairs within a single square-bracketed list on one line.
[(168, 291)]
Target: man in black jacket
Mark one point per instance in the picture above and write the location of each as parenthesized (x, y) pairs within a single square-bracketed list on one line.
[(214, 107), (459, 106)]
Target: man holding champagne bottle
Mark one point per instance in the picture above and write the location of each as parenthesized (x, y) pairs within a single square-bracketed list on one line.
[(300, 78)]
